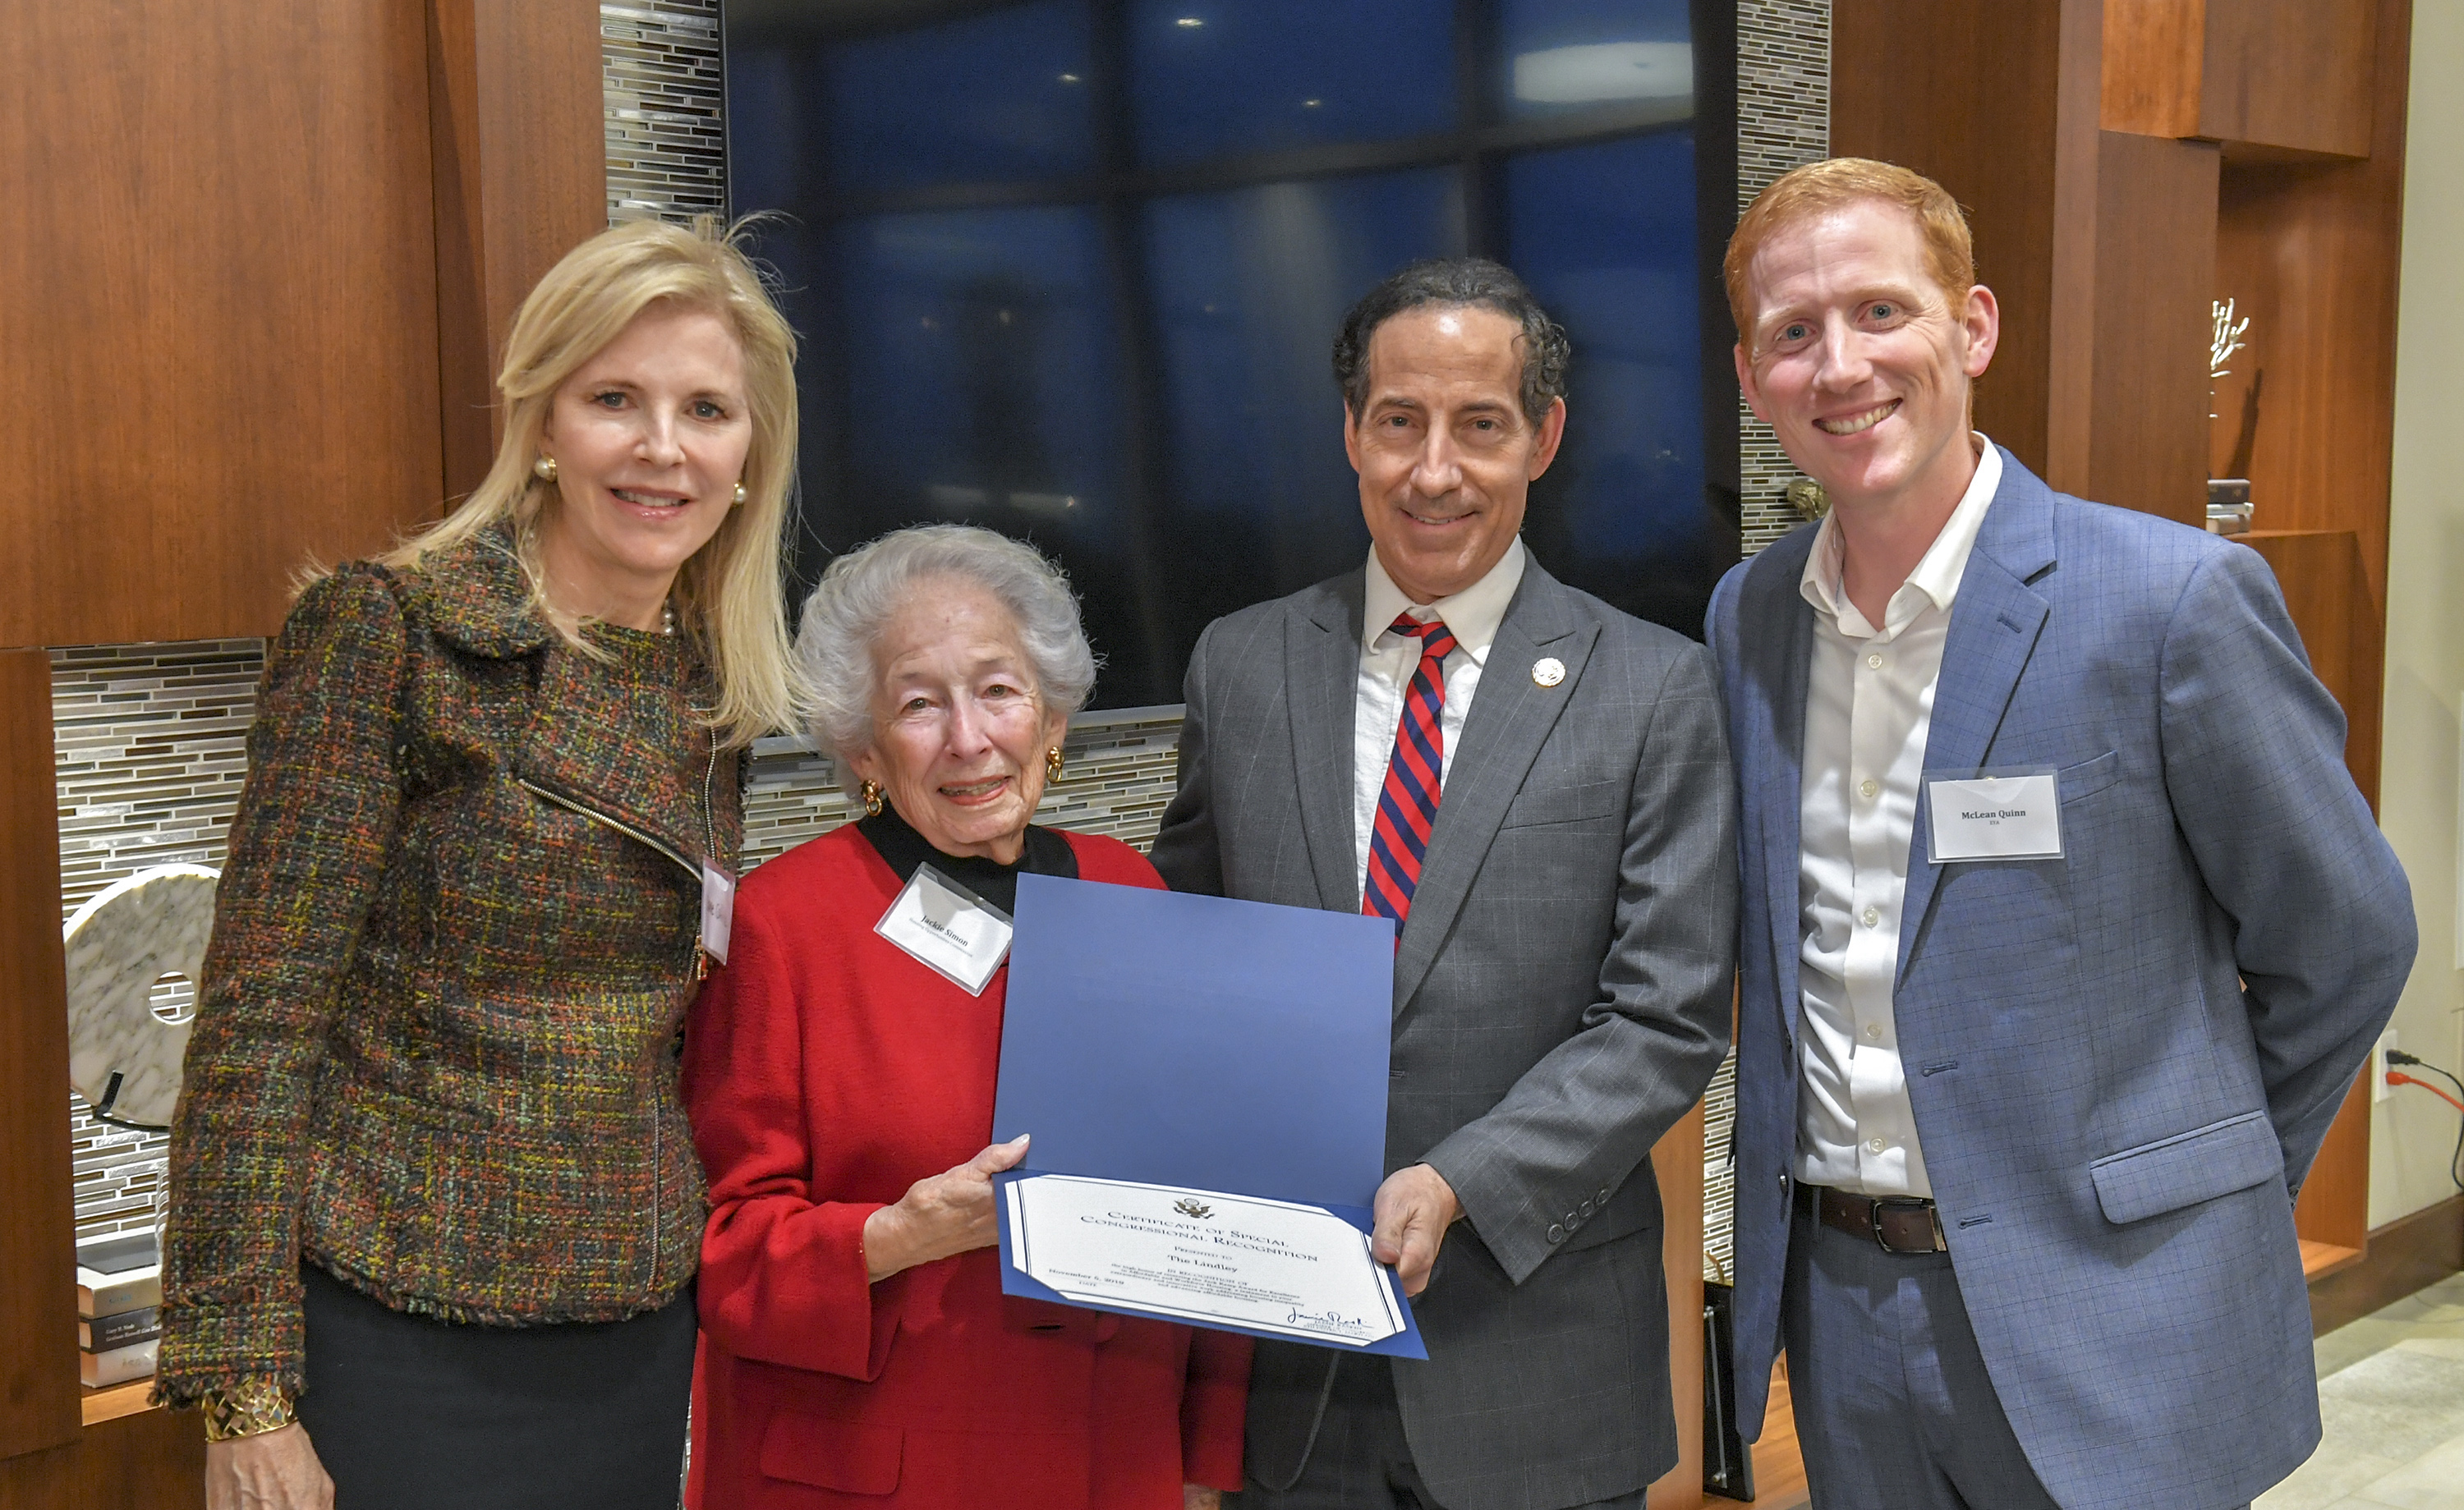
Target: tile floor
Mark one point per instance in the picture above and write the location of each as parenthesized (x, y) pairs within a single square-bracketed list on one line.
[(2392, 1397)]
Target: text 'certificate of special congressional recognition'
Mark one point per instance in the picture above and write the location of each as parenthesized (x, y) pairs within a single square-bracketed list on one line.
[(1211, 1260), (1204, 1081)]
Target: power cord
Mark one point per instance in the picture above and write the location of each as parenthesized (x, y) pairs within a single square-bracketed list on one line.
[(2455, 1163)]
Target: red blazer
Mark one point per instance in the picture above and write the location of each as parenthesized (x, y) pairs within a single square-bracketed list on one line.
[(825, 1071)]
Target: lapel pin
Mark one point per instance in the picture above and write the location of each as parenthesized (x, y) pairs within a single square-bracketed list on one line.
[(1548, 671)]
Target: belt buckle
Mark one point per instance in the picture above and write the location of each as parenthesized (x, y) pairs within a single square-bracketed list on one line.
[(1906, 1203)]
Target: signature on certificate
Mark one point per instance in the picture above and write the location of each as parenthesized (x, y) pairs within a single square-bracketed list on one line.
[(1335, 1322)]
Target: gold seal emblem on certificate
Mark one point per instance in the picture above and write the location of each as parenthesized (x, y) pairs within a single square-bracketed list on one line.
[(1548, 671), (1192, 1206)]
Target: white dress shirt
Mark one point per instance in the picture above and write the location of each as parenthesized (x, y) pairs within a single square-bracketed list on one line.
[(1868, 708), (1387, 661)]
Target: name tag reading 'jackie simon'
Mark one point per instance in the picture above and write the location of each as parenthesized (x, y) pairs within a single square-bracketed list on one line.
[(949, 928), (2006, 815)]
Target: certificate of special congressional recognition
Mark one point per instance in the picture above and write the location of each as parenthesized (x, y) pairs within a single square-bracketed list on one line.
[(1210, 1260), (1204, 1082)]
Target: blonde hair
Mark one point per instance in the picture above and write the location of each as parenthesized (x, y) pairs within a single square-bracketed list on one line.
[(729, 594), (1834, 183)]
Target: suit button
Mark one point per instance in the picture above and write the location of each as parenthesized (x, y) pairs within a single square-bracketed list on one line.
[(1783, 1179), (1588, 1208), (1556, 1233), (1605, 1197)]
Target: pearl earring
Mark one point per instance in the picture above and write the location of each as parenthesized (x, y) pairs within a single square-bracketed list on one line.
[(545, 469), (740, 495)]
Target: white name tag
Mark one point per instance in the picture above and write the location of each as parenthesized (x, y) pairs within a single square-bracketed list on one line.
[(717, 910), (949, 928), (2009, 817)]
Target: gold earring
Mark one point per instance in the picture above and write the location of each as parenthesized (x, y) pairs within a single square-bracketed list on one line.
[(1052, 761), (545, 469), (740, 495), (871, 795)]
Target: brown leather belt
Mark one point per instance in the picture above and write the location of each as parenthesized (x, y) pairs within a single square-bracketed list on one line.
[(1896, 1223)]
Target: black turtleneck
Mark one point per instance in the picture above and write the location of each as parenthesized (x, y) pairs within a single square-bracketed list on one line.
[(903, 850)]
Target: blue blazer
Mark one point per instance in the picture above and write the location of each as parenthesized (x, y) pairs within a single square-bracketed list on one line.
[(2122, 1061)]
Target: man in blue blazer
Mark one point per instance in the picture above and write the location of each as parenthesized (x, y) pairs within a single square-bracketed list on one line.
[(2064, 930)]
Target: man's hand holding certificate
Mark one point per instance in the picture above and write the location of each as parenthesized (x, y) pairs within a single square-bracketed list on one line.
[(1205, 1085)]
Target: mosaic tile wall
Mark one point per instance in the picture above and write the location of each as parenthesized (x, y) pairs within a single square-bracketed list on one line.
[(146, 746), (1117, 776), (666, 147), (1783, 120)]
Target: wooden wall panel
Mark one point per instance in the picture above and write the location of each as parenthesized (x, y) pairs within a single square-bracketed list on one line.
[(1977, 108), (2293, 73), (2152, 55), (2155, 263), (38, 1383), (217, 294), (152, 1460), (521, 160), (2308, 252)]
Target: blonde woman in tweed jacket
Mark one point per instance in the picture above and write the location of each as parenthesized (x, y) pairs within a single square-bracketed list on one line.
[(435, 1209)]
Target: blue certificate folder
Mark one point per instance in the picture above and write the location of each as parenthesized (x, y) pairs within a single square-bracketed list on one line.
[(1198, 1041)]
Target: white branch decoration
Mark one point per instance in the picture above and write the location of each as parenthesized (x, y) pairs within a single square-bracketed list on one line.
[(2224, 341)]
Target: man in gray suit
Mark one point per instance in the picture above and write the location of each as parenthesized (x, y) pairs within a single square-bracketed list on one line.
[(2065, 929), (1534, 786)]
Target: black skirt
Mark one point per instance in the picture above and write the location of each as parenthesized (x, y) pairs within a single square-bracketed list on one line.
[(412, 1412)]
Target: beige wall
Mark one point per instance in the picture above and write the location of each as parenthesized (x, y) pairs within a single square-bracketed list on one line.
[(2413, 1134)]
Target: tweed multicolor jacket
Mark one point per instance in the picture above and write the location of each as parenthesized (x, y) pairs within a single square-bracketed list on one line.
[(436, 1042)]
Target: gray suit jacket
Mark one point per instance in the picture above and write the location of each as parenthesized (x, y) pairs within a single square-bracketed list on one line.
[(2121, 1061), (1562, 994)]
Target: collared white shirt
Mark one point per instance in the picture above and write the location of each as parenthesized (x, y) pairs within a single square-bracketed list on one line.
[(1868, 710), (1387, 661)]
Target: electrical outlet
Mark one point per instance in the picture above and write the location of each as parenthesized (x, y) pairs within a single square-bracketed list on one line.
[(2380, 1090)]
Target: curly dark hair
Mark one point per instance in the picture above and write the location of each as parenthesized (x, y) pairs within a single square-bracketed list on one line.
[(1456, 281)]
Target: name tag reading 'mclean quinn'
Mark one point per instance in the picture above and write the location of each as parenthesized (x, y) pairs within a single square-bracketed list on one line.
[(2006, 815), (949, 928)]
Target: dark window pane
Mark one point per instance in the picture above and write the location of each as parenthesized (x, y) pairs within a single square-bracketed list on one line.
[(993, 98), (1563, 55), (768, 153), (1219, 77), (1605, 237), (980, 375), (1248, 289)]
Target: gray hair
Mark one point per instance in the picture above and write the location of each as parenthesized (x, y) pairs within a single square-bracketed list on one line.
[(864, 588), (1457, 281)]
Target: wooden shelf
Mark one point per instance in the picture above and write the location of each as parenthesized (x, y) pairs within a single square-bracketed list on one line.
[(110, 1403), (2320, 1260)]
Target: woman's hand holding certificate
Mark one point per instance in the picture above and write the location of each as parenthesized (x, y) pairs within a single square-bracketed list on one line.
[(1206, 1081)]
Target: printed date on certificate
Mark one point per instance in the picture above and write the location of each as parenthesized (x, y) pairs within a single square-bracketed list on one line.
[(1207, 1259)]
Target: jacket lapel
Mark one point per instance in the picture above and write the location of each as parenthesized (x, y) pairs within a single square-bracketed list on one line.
[(1994, 627), (1510, 718), (1321, 675), (1781, 653), (573, 745), (578, 749)]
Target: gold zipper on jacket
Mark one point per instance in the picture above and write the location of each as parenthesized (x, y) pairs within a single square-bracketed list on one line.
[(617, 823), (710, 826)]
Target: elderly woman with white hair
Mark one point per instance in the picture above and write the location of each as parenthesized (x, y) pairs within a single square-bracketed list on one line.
[(856, 1340)]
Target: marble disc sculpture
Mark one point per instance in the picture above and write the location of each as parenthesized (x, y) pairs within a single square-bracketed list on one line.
[(123, 1059)]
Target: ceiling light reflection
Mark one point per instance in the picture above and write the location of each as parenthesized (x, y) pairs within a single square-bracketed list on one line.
[(1605, 71)]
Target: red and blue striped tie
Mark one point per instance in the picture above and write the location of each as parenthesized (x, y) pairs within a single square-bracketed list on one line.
[(1408, 807)]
